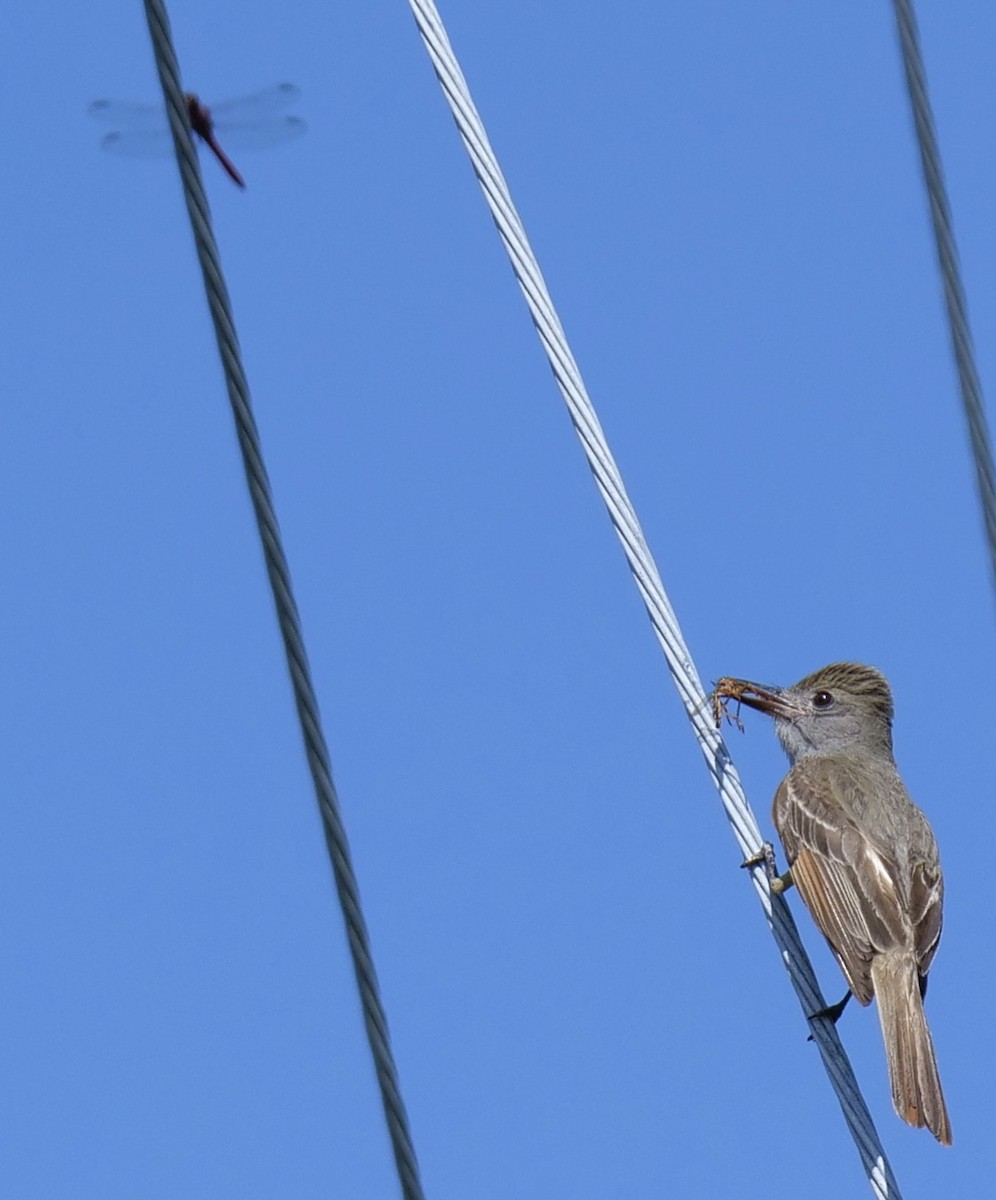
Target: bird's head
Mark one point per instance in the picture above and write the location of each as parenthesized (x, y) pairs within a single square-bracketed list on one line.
[(844, 706)]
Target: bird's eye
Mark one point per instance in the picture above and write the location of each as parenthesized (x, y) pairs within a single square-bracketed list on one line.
[(822, 700)]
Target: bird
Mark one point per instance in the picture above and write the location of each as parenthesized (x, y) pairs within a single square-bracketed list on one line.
[(863, 858)]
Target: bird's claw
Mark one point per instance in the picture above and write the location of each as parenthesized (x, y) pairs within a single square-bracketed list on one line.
[(765, 857), (831, 1013)]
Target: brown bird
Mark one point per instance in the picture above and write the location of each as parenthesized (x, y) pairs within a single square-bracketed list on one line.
[(863, 858)]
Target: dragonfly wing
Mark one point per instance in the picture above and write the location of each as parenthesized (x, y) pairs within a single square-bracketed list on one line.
[(139, 143), (254, 106), (131, 116), (258, 135)]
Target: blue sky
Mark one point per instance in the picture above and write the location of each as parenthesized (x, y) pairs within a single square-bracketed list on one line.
[(584, 999)]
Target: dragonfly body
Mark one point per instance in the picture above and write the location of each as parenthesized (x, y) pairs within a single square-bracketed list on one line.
[(202, 124)]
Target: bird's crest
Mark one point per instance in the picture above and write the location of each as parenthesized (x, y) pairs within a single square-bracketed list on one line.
[(855, 679)]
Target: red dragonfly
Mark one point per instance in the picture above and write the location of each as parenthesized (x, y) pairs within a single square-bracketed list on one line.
[(248, 123)]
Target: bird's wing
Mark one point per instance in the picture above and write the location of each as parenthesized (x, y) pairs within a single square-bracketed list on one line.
[(926, 900), (847, 883)]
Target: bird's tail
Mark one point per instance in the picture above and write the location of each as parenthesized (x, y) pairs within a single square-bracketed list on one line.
[(916, 1086)]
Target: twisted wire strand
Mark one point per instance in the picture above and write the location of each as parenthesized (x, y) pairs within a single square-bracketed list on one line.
[(665, 625), (947, 256), (287, 614)]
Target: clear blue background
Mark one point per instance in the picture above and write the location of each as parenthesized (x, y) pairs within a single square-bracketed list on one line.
[(584, 999)]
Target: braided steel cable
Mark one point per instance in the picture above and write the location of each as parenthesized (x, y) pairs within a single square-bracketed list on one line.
[(287, 614), (665, 625), (947, 257)]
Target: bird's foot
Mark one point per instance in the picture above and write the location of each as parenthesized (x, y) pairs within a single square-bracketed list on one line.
[(766, 857), (832, 1012)]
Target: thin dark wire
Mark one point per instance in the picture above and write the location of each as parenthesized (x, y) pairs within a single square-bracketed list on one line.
[(287, 615), (947, 255)]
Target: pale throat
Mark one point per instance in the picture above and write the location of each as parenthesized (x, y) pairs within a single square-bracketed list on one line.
[(813, 737)]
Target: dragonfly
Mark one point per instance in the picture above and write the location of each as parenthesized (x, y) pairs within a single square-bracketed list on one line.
[(249, 123)]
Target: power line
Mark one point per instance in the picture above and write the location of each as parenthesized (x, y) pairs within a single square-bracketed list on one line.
[(947, 256), (665, 625), (283, 596)]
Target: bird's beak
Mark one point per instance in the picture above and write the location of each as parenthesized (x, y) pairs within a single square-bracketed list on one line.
[(775, 701)]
